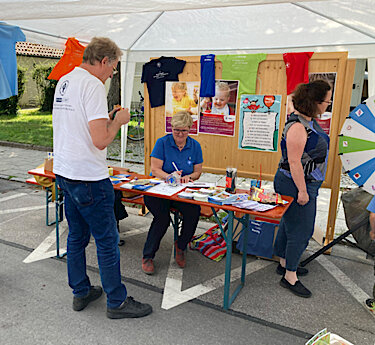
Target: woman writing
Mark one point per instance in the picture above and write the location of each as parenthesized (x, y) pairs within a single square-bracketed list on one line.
[(184, 152), (302, 169)]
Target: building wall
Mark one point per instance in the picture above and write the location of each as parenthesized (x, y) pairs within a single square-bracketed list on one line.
[(31, 97)]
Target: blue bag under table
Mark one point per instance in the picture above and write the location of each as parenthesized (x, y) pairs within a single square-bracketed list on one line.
[(260, 238)]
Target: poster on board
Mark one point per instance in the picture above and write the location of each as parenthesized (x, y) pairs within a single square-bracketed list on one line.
[(181, 95), (259, 122), (325, 118), (218, 113)]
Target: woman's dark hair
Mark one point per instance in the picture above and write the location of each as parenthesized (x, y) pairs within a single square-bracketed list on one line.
[(307, 96)]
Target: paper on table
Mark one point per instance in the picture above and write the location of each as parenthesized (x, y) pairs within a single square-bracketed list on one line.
[(199, 184), (165, 189)]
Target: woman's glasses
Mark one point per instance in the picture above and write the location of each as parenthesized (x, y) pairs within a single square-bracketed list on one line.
[(328, 102), (182, 131)]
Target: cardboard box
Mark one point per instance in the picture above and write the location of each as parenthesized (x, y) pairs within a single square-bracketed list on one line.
[(48, 165)]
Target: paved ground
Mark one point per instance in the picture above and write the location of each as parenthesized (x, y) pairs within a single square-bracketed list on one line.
[(36, 301)]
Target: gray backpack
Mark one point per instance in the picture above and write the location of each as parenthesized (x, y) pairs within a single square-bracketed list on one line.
[(355, 203)]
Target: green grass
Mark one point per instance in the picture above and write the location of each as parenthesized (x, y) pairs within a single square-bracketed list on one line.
[(30, 126)]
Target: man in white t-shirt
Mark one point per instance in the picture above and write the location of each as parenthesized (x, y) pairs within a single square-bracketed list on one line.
[(82, 130)]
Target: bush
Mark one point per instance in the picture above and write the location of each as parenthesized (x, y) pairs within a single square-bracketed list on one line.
[(10, 105), (46, 87)]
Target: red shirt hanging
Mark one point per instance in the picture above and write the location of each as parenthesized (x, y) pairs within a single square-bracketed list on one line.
[(297, 69)]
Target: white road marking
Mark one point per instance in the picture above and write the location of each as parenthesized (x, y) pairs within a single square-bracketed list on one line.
[(41, 252), (352, 288), (14, 196), (133, 232), (23, 209), (173, 296)]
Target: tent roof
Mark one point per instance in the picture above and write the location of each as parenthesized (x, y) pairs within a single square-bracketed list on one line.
[(153, 27)]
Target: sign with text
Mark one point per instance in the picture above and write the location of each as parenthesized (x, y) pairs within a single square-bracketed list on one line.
[(259, 122)]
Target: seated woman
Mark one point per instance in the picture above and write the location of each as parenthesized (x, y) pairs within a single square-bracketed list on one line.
[(186, 153)]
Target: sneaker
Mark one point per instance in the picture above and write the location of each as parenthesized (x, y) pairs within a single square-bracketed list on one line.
[(370, 304), (130, 308), (121, 243), (301, 271), (80, 303), (148, 266), (298, 288), (180, 257)]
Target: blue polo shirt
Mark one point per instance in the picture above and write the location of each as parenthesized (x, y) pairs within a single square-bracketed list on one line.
[(371, 205), (167, 150)]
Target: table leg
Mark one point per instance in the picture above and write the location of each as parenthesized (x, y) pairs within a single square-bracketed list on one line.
[(58, 204), (228, 264), (244, 249)]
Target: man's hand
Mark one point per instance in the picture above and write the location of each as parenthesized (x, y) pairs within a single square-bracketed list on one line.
[(123, 116), (115, 108)]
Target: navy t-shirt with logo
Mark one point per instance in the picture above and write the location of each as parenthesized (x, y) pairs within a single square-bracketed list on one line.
[(156, 72)]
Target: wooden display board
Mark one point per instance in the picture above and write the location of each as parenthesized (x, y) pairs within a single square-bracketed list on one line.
[(220, 152)]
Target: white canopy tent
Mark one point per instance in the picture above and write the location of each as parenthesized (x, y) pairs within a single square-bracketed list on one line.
[(150, 28)]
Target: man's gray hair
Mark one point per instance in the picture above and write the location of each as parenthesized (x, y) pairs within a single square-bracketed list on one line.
[(99, 48)]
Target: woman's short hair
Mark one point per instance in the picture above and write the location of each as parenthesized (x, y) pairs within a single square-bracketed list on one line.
[(306, 97), (182, 119), (99, 48)]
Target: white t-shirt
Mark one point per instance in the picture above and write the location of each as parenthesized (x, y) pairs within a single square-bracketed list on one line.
[(79, 98)]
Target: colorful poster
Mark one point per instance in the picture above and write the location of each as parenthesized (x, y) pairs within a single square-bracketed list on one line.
[(259, 122), (325, 119), (218, 113), (181, 95)]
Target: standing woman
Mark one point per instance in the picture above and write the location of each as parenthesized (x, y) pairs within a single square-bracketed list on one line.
[(186, 153), (301, 172)]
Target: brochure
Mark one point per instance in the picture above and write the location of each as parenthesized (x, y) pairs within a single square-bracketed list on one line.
[(187, 194), (223, 198)]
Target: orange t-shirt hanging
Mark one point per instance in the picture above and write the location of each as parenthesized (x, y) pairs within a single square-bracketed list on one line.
[(72, 57)]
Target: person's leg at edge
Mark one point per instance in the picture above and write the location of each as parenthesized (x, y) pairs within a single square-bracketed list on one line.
[(102, 223), (282, 185), (299, 231), (78, 239), (160, 209)]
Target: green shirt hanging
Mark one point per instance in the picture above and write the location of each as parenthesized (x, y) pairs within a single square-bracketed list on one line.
[(242, 67)]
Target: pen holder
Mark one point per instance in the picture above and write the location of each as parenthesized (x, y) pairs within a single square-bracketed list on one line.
[(173, 179)]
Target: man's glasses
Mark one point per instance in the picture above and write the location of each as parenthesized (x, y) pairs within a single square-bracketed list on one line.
[(182, 131), (115, 71), (328, 102)]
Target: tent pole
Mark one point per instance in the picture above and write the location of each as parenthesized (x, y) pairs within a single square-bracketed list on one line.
[(127, 74), (371, 76)]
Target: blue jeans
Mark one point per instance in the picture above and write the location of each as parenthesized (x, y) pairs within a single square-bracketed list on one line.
[(297, 225), (89, 210), (160, 209)]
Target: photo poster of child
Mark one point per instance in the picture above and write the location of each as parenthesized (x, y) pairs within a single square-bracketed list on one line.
[(325, 119), (259, 122), (181, 95), (218, 113)]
